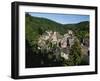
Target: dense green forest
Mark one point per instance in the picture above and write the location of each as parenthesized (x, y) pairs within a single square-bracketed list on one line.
[(36, 26)]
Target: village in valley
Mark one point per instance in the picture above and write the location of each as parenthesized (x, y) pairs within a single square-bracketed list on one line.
[(52, 44), (60, 45)]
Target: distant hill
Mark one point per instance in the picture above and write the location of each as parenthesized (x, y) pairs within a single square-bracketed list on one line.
[(35, 26)]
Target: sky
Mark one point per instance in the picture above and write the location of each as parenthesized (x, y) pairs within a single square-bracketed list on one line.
[(62, 18)]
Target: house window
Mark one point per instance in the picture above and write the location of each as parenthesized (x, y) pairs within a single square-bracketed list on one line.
[(68, 42)]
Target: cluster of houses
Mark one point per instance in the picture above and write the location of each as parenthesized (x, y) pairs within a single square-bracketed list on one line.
[(62, 42)]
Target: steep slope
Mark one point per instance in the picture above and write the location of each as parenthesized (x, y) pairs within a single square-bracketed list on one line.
[(35, 26)]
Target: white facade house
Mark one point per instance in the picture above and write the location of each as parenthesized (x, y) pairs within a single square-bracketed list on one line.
[(70, 32), (49, 32), (54, 37), (64, 55), (63, 43)]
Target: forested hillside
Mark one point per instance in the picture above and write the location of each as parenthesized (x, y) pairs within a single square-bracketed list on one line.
[(36, 27)]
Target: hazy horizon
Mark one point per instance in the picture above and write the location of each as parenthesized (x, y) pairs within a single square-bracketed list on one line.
[(61, 18)]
